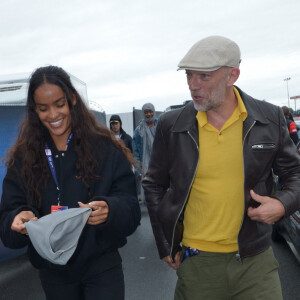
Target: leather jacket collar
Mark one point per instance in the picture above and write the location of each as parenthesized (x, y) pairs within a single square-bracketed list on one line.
[(187, 121)]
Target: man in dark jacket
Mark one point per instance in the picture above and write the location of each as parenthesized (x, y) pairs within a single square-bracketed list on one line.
[(209, 183), (291, 125), (115, 124)]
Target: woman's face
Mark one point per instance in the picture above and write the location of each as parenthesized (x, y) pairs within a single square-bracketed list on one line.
[(52, 107)]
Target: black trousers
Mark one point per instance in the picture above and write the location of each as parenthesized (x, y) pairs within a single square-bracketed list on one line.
[(87, 285)]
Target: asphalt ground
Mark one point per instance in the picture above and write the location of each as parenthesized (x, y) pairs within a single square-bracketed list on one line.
[(146, 276)]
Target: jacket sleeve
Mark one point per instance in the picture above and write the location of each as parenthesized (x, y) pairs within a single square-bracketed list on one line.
[(13, 201), (124, 210), (155, 184), (127, 139), (287, 167), (129, 142), (295, 138), (293, 133), (137, 146)]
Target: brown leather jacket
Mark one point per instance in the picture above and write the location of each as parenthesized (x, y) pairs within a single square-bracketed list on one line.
[(267, 148)]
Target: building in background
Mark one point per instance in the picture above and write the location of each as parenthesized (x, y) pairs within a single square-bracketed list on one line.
[(130, 120)]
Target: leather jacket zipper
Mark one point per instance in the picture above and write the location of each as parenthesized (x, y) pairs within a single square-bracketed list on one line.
[(238, 256), (263, 146), (186, 196)]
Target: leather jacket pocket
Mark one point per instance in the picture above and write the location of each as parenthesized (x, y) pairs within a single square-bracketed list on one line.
[(263, 147)]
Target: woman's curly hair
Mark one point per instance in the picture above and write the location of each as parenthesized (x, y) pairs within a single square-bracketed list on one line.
[(32, 134)]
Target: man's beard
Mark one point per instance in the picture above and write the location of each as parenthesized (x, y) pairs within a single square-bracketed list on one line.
[(215, 100), (150, 120)]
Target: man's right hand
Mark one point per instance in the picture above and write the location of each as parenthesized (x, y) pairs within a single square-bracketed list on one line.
[(174, 265), (18, 223)]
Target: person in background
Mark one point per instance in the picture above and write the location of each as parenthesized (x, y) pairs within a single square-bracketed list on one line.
[(63, 158), (115, 124), (142, 141), (291, 125), (209, 183)]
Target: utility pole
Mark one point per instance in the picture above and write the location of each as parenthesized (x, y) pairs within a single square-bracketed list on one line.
[(287, 85)]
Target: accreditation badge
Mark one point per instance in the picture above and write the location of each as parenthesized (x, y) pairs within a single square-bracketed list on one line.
[(55, 208)]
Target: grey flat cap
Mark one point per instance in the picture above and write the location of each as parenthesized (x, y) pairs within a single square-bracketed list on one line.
[(55, 236), (210, 54)]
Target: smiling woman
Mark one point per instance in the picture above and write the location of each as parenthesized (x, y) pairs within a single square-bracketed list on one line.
[(63, 158)]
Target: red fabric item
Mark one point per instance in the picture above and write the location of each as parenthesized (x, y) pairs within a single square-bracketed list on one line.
[(293, 127)]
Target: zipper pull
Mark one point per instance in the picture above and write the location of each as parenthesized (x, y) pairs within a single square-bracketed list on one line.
[(257, 146)]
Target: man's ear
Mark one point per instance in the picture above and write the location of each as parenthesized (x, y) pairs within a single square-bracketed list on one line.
[(233, 76)]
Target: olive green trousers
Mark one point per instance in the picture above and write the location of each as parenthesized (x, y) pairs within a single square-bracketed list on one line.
[(219, 276)]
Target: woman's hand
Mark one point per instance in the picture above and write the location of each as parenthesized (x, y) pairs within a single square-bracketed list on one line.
[(99, 214), (18, 223)]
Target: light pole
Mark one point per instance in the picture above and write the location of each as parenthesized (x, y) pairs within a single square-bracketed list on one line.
[(287, 85)]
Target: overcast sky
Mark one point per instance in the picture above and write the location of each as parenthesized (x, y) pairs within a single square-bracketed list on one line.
[(127, 52)]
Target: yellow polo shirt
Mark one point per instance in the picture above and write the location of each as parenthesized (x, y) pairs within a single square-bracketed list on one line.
[(215, 206)]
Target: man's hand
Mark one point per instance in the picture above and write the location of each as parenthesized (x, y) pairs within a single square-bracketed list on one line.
[(270, 210), (99, 214), (174, 265), (19, 220)]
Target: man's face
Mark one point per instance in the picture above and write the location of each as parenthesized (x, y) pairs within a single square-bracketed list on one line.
[(208, 89), (115, 127), (148, 114)]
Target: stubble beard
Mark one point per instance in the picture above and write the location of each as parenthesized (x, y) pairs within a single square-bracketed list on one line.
[(215, 100)]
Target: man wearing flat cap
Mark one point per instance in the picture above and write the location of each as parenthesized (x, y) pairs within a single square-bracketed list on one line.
[(142, 141), (209, 183)]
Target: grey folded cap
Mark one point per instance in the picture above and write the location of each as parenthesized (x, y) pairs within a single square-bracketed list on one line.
[(210, 54), (55, 236)]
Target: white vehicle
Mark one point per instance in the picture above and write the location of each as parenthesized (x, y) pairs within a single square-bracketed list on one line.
[(13, 88)]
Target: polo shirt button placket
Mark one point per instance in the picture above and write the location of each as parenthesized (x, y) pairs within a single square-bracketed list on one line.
[(220, 137)]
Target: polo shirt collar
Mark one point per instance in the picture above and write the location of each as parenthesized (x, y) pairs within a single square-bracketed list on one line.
[(241, 109)]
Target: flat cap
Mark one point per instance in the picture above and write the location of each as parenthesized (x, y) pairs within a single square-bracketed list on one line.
[(210, 54)]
